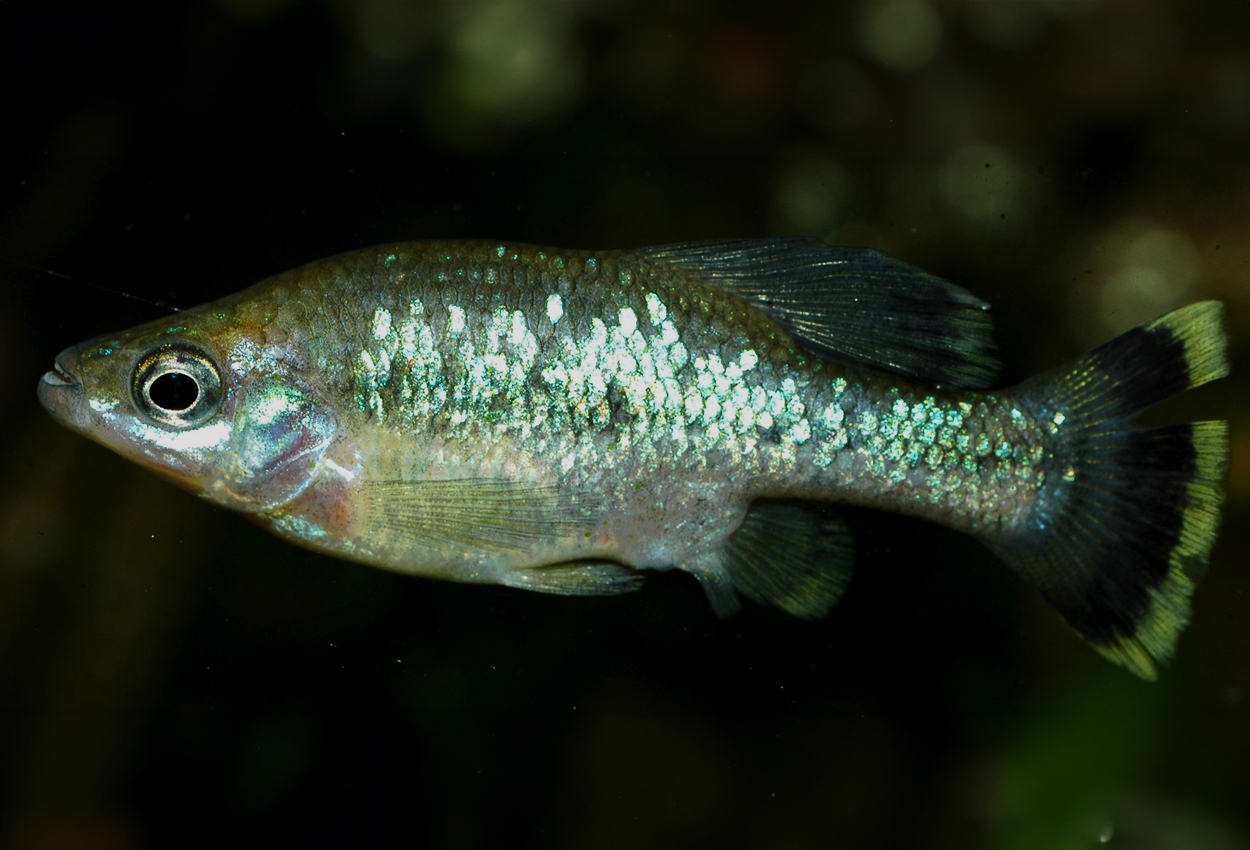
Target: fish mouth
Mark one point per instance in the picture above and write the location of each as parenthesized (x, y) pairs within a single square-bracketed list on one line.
[(61, 391), (62, 374)]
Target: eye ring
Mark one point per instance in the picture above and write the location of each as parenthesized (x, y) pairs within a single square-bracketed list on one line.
[(178, 386)]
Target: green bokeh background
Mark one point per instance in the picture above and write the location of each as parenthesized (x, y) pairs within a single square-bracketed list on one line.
[(172, 676)]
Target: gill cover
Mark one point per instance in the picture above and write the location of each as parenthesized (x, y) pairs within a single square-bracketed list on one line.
[(278, 435)]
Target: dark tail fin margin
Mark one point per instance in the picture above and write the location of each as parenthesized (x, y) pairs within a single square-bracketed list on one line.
[(1127, 517)]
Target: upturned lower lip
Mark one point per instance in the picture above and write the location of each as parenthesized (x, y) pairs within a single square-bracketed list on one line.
[(60, 390), (62, 374)]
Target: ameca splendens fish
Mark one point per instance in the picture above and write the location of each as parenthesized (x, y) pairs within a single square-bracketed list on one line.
[(560, 420)]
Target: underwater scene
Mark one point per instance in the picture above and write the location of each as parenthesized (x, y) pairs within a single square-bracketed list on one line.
[(772, 425)]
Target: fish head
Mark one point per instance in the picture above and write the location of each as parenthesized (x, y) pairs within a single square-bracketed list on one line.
[(218, 401)]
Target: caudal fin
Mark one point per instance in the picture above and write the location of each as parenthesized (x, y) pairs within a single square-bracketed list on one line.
[(1127, 519)]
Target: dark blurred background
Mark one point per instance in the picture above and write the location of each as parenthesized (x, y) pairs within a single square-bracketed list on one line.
[(171, 676)]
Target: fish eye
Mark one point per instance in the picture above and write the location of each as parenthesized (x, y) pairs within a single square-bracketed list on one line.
[(177, 385)]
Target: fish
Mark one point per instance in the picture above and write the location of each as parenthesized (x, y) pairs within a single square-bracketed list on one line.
[(566, 420)]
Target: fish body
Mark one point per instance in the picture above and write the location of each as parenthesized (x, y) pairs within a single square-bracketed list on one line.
[(559, 420)]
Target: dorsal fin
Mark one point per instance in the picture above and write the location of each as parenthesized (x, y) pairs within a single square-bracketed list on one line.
[(853, 305)]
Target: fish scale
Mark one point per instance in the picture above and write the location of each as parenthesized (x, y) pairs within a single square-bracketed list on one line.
[(610, 386), (562, 420)]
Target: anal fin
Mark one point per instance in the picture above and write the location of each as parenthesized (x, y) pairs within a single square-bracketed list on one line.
[(797, 556)]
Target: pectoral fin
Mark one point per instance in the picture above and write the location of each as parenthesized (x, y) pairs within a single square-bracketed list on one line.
[(575, 578), (476, 516)]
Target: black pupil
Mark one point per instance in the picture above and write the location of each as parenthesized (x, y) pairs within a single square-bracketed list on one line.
[(174, 391)]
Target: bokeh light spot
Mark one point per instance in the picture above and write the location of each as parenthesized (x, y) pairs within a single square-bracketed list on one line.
[(902, 35), (515, 60), (1159, 271)]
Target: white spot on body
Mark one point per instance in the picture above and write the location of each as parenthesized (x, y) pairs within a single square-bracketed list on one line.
[(408, 338), (711, 409), (656, 309), (455, 320), (833, 416), (694, 404), (381, 323), (555, 308), (629, 321), (517, 330)]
